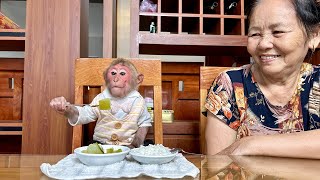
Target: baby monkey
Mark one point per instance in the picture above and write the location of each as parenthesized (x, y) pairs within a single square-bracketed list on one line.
[(127, 121)]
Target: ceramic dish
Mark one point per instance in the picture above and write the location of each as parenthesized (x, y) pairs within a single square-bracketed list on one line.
[(102, 159), (153, 154)]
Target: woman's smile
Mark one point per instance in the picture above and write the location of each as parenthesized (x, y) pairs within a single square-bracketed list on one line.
[(268, 58)]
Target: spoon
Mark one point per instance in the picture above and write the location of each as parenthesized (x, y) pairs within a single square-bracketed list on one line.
[(179, 150), (83, 105)]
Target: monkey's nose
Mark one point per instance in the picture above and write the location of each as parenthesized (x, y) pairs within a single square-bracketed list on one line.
[(116, 79)]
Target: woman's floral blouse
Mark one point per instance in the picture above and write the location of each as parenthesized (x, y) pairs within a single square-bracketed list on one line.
[(236, 99)]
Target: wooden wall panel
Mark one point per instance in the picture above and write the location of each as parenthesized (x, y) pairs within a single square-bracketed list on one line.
[(52, 45)]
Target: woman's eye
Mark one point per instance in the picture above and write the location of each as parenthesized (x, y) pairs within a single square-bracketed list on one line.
[(254, 34), (278, 32)]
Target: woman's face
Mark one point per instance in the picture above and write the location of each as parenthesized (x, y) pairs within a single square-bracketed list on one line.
[(276, 40)]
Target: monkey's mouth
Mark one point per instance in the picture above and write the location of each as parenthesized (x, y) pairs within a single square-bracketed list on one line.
[(118, 87)]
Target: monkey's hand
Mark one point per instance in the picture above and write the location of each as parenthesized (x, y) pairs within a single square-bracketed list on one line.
[(59, 104), (62, 106)]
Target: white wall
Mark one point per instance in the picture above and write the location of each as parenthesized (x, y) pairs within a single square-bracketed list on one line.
[(16, 11), (95, 29)]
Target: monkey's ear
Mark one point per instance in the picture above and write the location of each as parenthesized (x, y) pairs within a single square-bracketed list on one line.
[(140, 79)]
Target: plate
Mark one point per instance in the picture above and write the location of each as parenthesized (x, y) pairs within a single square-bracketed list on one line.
[(148, 159), (102, 159)]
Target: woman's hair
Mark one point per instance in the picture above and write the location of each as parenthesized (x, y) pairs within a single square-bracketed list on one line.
[(308, 14)]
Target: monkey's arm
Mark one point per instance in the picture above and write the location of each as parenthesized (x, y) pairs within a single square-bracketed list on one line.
[(72, 114), (140, 136)]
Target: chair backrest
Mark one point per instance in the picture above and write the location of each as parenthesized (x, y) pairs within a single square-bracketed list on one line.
[(88, 72), (207, 75)]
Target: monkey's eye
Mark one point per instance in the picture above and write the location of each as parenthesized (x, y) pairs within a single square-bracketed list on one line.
[(113, 73), (123, 72)]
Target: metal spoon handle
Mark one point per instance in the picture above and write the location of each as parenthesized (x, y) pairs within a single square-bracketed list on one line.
[(83, 105), (183, 151)]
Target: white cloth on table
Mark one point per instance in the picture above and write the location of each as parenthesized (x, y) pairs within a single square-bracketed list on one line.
[(70, 167)]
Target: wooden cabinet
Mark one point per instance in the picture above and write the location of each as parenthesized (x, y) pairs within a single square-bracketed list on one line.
[(180, 93), (180, 89), (10, 96), (189, 27), (11, 83), (211, 28), (11, 91)]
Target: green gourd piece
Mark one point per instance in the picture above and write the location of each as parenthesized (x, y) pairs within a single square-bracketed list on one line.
[(84, 151), (104, 104), (118, 150), (110, 150), (101, 148), (94, 149)]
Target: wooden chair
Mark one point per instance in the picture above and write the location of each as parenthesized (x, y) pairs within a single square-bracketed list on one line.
[(88, 72), (207, 75)]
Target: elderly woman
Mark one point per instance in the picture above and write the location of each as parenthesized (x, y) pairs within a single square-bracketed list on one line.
[(271, 107)]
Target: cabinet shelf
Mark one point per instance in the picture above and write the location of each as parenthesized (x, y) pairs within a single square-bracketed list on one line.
[(202, 45), (228, 11), (11, 127), (12, 39), (12, 34), (191, 39), (189, 23), (11, 123)]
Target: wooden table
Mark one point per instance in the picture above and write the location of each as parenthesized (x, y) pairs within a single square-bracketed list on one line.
[(211, 167)]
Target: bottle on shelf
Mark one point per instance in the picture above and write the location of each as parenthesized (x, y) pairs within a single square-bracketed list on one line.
[(211, 7), (230, 6), (152, 28)]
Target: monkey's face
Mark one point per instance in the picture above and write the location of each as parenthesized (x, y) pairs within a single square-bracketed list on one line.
[(119, 80)]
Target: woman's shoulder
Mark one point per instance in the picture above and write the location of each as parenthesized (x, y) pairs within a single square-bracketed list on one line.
[(310, 70), (240, 69), (237, 73), (316, 68)]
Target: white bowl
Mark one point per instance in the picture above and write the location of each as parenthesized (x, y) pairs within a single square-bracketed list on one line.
[(101, 159), (144, 159)]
